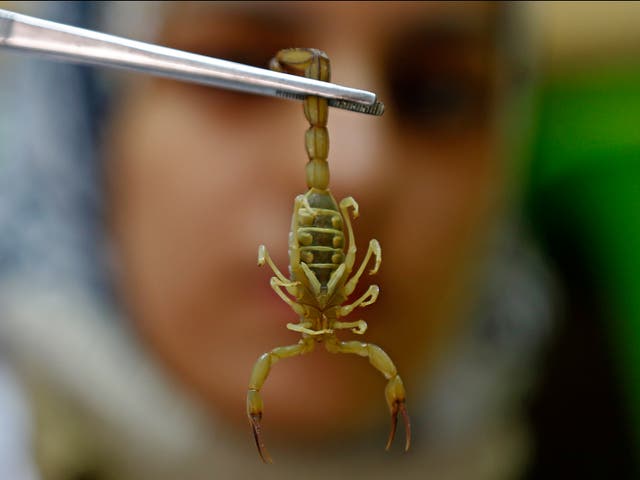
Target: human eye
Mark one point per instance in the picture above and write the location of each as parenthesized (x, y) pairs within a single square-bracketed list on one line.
[(440, 80), (250, 37)]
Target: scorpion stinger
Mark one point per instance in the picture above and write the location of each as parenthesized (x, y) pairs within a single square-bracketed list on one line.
[(319, 266)]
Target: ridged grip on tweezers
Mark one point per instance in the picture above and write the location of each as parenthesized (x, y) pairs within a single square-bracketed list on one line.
[(376, 108)]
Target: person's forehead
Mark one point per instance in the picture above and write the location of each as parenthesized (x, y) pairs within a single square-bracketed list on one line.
[(376, 18), (310, 11)]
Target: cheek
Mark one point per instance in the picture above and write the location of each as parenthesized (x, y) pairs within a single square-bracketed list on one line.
[(192, 198), (167, 193), (194, 172), (433, 210), (441, 202)]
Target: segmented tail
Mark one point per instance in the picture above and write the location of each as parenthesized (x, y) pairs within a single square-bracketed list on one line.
[(311, 63)]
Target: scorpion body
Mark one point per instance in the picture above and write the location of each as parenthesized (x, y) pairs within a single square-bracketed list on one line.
[(319, 267)]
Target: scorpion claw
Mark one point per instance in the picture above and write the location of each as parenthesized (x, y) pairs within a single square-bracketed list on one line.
[(399, 406), (254, 413), (254, 420), (396, 395)]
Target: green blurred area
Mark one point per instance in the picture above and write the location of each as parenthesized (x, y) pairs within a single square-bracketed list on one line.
[(584, 191)]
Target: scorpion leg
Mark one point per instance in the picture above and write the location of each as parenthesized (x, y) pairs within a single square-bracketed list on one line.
[(298, 308), (374, 249), (263, 256), (258, 376), (370, 296), (394, 391), (316, 287), (276, 284), (345, 203), (302, 205), (304, 328), (359, 326), (335, 277)]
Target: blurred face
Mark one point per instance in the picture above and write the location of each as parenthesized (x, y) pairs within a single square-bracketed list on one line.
[(200, 177)]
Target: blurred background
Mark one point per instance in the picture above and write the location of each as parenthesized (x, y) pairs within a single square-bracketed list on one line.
[(503, 183)]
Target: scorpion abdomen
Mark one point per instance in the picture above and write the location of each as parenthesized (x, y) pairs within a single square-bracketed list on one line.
[(319, 233)]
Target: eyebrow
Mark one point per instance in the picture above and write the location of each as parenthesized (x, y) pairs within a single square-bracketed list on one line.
[(224, 29), (183, 26), (286, 15)]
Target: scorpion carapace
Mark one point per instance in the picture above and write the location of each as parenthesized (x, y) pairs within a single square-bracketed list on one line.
[(319, 267)]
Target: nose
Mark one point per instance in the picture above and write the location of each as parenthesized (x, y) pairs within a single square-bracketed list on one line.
[(357, 141), (357, 145)]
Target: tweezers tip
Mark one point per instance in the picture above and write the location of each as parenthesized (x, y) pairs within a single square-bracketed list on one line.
[(376, 108)]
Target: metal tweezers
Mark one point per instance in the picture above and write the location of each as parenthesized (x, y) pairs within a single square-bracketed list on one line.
[(77, 45)]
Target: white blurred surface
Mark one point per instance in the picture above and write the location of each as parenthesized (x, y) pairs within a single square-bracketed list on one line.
[(15, 430)]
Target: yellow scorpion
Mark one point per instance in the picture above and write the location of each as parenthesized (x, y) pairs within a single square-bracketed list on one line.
[(318, 266)]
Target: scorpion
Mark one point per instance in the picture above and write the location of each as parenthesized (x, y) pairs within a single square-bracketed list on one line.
[(319, 268)]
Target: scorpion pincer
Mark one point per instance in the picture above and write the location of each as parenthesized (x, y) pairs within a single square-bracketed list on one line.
[(319, 267)]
